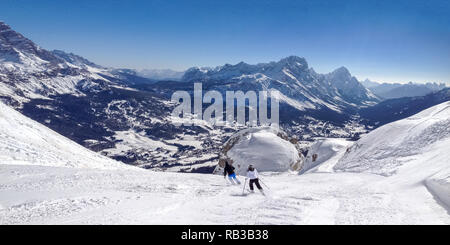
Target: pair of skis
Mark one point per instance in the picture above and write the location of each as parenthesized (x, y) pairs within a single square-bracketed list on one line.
[(262, 192), (233, 182)]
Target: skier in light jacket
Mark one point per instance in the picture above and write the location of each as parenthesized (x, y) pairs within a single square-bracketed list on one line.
[(252, 174)]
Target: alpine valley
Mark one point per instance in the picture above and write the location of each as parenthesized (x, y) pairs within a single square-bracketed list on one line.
[(125, 115)]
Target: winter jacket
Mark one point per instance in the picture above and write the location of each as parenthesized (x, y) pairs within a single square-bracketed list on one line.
[(252, 174), (228, 169)]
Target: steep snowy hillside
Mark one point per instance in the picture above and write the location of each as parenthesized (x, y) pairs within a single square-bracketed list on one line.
[(385, 150), (26, 142), (412, 150)]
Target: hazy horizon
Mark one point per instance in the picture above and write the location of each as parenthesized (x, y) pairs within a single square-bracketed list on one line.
[(383, 41)]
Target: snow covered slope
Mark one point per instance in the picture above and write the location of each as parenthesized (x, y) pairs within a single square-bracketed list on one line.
[(24, 141), (50, 195), (439, 185), (385, 150), (412, 150)]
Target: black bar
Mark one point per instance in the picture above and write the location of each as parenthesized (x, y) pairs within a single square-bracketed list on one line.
[(222, 234)]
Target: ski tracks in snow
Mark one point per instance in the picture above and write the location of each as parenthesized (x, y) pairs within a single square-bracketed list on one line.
[(50, 195)]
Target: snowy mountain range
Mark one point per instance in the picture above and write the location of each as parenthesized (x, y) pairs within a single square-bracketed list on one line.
[(126, 116), (301, 86)]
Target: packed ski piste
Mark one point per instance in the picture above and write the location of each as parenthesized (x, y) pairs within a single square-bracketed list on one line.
[(397, 174)]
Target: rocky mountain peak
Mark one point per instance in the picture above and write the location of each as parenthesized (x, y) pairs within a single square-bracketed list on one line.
[(341, 72), (4, 26), (15, 47), (294, 61)]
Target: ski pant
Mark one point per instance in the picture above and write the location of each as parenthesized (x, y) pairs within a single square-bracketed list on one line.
[(233, 178), (256, 182)]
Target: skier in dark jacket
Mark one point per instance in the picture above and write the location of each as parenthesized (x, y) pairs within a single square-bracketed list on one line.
[(252, 174), (229, 169)]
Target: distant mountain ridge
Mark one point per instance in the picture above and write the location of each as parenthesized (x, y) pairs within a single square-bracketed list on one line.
[(400, 108), (398, 90), (160, 74), (300, 85), (369, 84)]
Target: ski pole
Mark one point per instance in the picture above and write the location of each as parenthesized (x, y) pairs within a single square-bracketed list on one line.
[(264, 183), (245, 183)]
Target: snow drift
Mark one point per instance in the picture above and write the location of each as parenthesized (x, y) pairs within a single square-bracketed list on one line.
[(439, 185), (268, 149), (26, 142)]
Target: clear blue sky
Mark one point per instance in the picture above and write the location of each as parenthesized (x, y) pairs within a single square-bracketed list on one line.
[(392, 41)]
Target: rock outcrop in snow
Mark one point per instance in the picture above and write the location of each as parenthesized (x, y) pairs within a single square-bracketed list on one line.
[(324, 154), (26, 142), (267, 149)]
